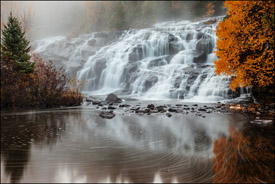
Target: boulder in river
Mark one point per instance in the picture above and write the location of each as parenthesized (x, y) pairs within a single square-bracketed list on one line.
[(151, 106), (172, 110), (112, 98), (124, 105), (161, 108), (111, 108), (107, 114)]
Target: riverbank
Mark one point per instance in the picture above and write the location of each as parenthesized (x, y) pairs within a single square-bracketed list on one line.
[(259, 115)]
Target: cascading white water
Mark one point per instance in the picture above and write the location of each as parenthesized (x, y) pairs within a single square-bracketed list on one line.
[(170, 60)]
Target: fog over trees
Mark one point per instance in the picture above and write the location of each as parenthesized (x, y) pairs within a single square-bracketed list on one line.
[(72, 18)]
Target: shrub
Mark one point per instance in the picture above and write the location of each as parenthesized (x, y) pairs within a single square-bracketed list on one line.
[(46, 87)]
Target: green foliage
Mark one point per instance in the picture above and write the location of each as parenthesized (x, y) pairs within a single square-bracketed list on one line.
[(15, 46)]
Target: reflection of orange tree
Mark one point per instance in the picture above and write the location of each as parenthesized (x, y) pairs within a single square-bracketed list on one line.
[(244, 157)]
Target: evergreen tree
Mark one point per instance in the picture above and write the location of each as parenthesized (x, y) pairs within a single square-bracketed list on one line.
[(14, 45)]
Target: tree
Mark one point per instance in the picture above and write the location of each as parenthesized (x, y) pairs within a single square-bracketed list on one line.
[(15, 46), (210, 9), (245, 44)]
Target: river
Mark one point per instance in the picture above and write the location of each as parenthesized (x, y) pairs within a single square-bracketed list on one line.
[(77, 145)]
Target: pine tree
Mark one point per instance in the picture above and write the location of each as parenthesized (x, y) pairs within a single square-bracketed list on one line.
[(14, 45)]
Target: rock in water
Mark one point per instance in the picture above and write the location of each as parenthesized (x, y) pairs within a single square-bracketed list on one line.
[(107, 114), (112, 98), (151, 106)]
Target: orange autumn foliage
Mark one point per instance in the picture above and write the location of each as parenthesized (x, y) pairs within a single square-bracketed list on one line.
[(246, 156), (245, 43)]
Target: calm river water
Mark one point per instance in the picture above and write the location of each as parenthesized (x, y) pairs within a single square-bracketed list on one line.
[(77, 145)]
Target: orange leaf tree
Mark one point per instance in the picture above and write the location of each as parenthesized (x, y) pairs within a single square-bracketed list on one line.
[(245, 44)]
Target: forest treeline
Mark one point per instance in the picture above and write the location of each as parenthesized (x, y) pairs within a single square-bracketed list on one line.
[(26, 80), (120, 15)]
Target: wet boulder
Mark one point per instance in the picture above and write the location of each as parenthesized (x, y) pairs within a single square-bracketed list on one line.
[(136, 54), (111, 108), (92, 42), (112, 98), (205, 45), (189, 36), (157, 62), (90, 99), (174, 48), (151, 106), (107, 114), (200, 58), (146, 110), (201, 109), (172, 110), (124, 105), (171, 38), (211, 21), (100, 65), (199, 35), (161, 108), (149, 82)]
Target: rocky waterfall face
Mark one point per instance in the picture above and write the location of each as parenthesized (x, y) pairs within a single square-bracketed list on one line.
[(172, 60)]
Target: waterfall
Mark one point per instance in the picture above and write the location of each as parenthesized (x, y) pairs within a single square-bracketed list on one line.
[(172, 60)]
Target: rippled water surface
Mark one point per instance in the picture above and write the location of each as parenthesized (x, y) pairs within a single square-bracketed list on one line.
[(76, 145)]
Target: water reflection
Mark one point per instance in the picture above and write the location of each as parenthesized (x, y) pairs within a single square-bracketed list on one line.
[(79, 146), (247, 156), (17, 135)]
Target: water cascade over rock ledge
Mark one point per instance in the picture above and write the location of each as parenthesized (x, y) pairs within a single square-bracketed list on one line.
[(172, 60)]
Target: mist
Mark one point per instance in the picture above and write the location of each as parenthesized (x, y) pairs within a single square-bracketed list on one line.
[(71, 18), (56, 18), (51, 18)]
